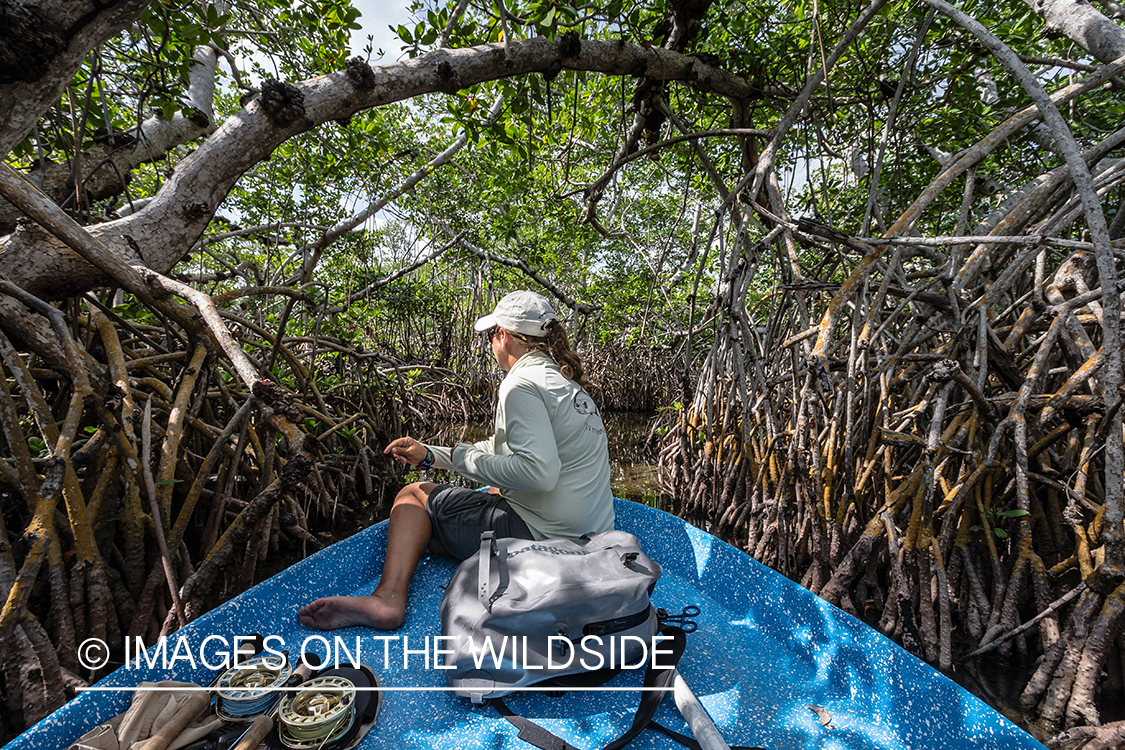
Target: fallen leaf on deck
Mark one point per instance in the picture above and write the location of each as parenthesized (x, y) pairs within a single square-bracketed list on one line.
[(823, 715)]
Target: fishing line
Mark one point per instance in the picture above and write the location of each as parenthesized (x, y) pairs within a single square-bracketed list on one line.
[(249, 689)]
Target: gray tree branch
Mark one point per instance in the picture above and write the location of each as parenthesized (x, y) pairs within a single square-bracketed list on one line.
[(164, 229)]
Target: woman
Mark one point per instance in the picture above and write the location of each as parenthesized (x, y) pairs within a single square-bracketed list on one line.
[(548, 465)]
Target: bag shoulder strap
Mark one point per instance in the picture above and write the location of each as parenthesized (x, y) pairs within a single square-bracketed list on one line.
[(531, 732), (660, 678)]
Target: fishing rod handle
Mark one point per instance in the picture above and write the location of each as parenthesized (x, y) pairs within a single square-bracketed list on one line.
[(255, 734), (302, 672), (194, 706)]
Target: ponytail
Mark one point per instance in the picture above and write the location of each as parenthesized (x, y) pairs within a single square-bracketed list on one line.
[(557, 346)]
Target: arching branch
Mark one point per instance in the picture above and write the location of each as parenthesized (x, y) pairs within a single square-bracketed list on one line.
[(1083, 23), (174, 219)]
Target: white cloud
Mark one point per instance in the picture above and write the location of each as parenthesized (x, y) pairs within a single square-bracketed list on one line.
[(377, 16)]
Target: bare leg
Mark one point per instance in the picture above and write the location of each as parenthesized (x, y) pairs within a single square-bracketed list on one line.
[(384, 608)]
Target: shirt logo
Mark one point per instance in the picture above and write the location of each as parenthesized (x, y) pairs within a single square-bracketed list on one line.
[(585, 405)]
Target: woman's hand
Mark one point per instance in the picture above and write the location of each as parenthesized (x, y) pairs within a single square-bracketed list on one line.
[(406, 450)]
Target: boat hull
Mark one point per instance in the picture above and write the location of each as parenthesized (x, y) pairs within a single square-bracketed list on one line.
[(766, 651)]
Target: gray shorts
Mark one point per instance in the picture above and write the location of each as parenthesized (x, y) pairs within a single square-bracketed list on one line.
[(460, 515)]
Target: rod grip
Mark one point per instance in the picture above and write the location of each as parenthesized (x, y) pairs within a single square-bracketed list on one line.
[(305, 668), (255, 734), (302, 672), (194, 706)]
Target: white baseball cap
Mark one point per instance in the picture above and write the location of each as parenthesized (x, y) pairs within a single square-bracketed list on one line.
[(523, 312)]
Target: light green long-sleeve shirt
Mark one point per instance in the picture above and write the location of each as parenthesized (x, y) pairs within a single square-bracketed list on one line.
[(548, 455)]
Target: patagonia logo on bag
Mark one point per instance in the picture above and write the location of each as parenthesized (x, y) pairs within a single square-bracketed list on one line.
[(545, 548)]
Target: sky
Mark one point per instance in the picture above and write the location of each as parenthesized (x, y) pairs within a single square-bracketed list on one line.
[(377, 16)]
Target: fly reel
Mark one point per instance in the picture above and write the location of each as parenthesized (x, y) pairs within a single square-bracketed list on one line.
[(250, 689), (320, 713)]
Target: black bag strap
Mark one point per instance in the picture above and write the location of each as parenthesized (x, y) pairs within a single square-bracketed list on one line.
[(683, 739), (531, 732), (492, 577), (650, 700), (654, 678)]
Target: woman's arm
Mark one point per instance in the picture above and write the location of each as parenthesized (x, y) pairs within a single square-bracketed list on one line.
[(533, 464)]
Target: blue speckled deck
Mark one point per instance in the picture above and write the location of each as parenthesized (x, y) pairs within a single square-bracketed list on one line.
[(764, 651)]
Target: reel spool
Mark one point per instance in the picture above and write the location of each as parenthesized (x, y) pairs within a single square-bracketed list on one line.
[(245, 691), (320, 713)]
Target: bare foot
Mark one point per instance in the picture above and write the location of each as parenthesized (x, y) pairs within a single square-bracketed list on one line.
[(333, 612)]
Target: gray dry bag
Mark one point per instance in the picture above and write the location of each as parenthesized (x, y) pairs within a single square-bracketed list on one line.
[(519, 611)]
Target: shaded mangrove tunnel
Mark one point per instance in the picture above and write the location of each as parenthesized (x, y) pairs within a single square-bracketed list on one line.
[(939, 476)]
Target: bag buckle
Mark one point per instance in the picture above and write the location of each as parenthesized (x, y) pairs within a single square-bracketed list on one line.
[(563, 642)]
